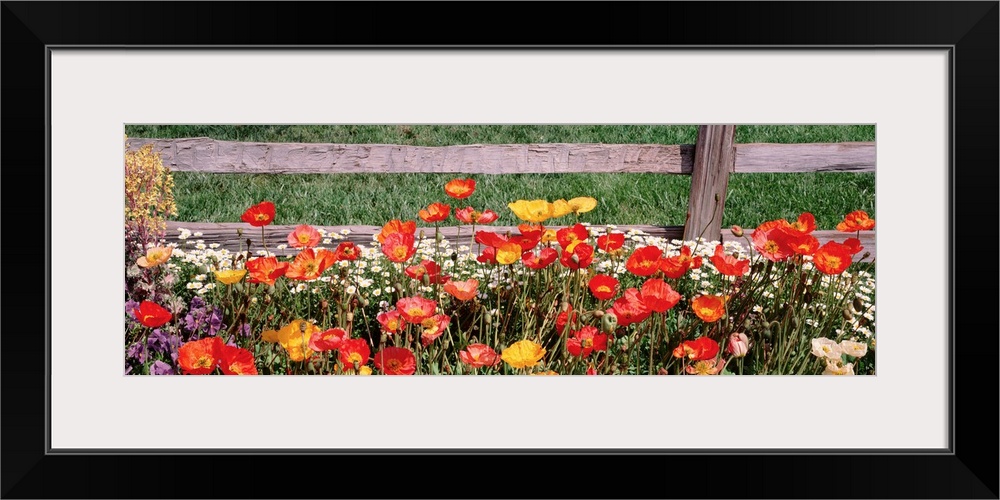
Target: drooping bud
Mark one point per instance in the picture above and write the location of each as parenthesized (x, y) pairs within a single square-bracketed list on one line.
[(609, 322), (737, 231)]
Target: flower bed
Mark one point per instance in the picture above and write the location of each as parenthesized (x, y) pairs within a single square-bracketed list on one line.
[(574, 298)]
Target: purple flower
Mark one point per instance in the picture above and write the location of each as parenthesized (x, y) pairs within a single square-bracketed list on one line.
[(161, 368), (137, 352)]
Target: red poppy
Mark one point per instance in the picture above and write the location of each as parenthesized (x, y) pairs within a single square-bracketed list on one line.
[(541, 260), (399, 247), (586, 340), (435, 212), (603, 286), (700, 349), (309, 264), (729, 265), (327, 340), (151, 314), (391, 321), (805, 224), (491, 239), (347, 251), (581, 257), (489, 256), (304, 236), (526, 241), (200, 357), (857, 220), (709, 308), (462, 290), (470, 215), (675, 266), (531, 230), (396, 361), (434, 327), (266, 270), (236, 361), (833, 258), (416, 309), (565, 317), (658, 296), (644, 261), (853, 245), (569, 237), (771, 240), (630, 308), (610, 242), (460, 188), (396, 226), (259, 215), (479, 356), (427, 268), (354, 351)]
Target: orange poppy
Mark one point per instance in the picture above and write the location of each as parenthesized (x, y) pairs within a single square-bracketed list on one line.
[(259, 215), (200, 357), (603, 286), (435, 212), (460, 188), (857, 220), (309, 264), (805, 224), (266, 270), (396, 226), (709, 308), (833, 258), (427, 268), (434, 327), (644, 261), (462, 290), (327, 340), (399, 247)]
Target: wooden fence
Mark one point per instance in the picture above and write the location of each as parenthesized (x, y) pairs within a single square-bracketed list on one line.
[(709, 162)]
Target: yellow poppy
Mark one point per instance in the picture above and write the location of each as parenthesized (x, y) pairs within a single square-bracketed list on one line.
[(509, 253), (582, 204), (294, 338), (523, 354), (532, 211), (561, 208), (230, 276)]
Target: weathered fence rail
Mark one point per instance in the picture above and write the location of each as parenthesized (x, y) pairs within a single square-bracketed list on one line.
[(710, 162)]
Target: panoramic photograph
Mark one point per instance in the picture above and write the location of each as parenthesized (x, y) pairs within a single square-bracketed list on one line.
[(444, 249)]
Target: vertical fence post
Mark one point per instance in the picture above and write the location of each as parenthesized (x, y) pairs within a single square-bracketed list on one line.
[(714, 159)]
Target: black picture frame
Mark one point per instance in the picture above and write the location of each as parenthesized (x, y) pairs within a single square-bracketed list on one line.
[(968, 470)]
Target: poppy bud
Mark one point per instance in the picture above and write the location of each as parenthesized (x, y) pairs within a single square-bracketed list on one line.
[(858, 305), (739, 345), (737, 231), (425, 279), (597, 314), (662, 371), (847, 314), (350, 317), (239, 232), (609, 322)]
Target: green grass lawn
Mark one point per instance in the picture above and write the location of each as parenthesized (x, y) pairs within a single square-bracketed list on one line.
[(342, 199)]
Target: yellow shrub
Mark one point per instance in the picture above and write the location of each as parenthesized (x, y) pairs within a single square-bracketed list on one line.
[(149, 197)]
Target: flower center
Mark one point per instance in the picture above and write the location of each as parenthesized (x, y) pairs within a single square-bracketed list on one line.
[(393, 364), (203, 362), (771, 246), (235, 368), (354, 358), (587, 343), (260, 217)]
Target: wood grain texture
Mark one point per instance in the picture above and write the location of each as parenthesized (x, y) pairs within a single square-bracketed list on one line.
[(225, 234), (201, 154), (787, 158), (714, 156)]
